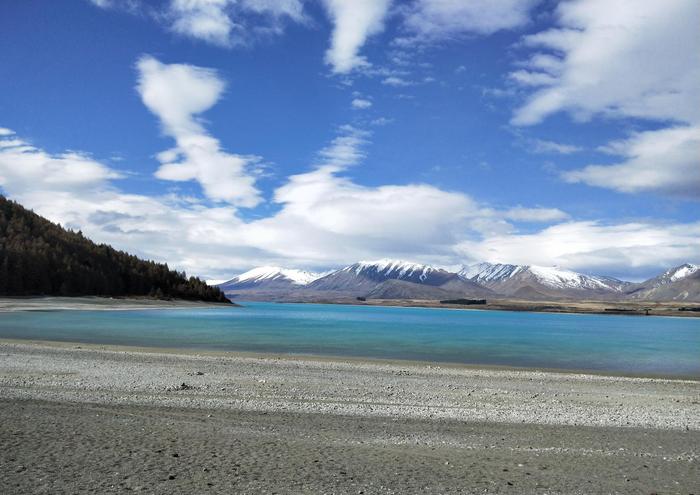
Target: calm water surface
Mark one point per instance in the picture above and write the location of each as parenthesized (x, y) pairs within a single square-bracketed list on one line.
[(643, 345)]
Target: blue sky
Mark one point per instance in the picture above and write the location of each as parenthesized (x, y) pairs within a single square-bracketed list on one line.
[(219, 135)]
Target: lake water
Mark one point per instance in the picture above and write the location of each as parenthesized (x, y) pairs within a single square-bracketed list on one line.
[(622, 344)]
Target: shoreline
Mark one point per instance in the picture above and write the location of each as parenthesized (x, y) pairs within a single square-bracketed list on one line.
[(329, 358), (628, 309), (393, 389), (99, 303)]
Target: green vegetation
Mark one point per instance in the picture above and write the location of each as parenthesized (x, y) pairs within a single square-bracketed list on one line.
[(38, 257)]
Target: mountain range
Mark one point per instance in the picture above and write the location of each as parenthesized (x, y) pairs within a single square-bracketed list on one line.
[(394, 279), (539, 282)]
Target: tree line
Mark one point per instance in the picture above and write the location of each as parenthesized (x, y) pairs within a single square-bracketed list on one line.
[(38, 257)]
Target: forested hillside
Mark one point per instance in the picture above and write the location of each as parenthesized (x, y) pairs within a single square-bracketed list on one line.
[(38, 257)]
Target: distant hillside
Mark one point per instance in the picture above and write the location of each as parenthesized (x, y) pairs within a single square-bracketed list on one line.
[(38, 257), (681, 283), (383, 279), (539, 282), (268, 278), (395, 279), (402, 289), (364, 276)]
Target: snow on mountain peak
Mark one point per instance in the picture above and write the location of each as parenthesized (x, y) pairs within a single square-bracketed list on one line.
[(397, 267), (558, 277), (487, 272), (298, 277), (553, 277), (681, 272)]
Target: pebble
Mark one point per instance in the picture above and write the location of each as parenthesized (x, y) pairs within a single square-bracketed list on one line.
[(357, 388)]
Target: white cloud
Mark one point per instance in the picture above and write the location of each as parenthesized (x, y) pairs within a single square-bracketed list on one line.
[(206, 20), (177, 94), (104, 4), (546, 215), (594, 246), (624, 59), (382, 121), (325, 219), (223, 23), (666, 160), (627, 58), (532, 78), (361, 103), (346, 149), (128, 5), (354, 22), (437, 20), (294, 9), (22, 166), (396, 82), (544, 146)]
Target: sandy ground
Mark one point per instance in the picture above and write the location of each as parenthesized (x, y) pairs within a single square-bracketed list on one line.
[(82, 419)]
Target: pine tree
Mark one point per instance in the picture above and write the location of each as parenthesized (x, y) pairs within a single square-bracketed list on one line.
[(38, 257)]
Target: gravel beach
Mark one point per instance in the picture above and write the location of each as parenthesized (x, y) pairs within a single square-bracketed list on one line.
[(80, 418), (96, 303)]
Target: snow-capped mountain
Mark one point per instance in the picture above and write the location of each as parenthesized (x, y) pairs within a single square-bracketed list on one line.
[(540, 281), (673, 275), (269, 277), (681, 283), (487, 272), (395, 279), (365, 276)]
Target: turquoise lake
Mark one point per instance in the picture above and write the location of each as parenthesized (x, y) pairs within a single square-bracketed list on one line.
[(606, 343)]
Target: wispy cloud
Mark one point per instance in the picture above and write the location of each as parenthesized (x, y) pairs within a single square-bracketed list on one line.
[(354, 22), (206, 20), (545, 146), (665, 161), (346, 149), (361, 103), (621, 57), (224, 23), (398, 82), (546, 215), (438, 20), (381, 121)]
